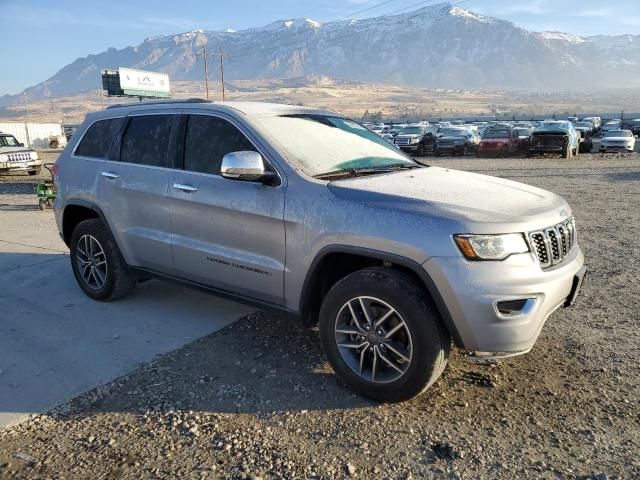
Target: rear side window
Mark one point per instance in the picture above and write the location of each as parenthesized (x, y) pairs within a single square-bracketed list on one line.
[(146, 140), (207, 140), (97, 140)]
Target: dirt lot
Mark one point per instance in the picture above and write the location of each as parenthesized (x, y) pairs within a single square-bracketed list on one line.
[(257, 400)]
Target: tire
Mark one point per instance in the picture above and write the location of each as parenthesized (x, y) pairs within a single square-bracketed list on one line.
[(41, 204), (416, 328), (111, 279), (36, 171), (567, 152)]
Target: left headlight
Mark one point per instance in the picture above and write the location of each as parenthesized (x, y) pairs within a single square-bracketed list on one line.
[(34, 155), (491, 247)]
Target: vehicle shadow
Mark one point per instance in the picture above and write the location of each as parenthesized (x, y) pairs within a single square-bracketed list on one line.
[(18, 188), (624, 177), (9, 207), (263, 363)]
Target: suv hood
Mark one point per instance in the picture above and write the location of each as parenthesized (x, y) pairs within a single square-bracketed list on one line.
[(468, 197), (14, 149)]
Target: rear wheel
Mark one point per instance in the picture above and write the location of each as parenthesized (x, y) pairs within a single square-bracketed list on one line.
[(97, 263), (382, 335)]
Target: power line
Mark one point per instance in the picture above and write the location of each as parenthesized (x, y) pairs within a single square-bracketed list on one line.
[(222, 55)]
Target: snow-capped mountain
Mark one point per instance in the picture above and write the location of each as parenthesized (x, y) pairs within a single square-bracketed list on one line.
[(436, 46)]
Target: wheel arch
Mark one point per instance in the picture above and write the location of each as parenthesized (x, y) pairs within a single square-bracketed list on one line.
[(334, 262), (77, 211)]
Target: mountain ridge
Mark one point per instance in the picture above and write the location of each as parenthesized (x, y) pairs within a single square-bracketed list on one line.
[(438, 46)]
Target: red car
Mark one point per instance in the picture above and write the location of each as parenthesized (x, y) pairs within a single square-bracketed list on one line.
[(499, 142)]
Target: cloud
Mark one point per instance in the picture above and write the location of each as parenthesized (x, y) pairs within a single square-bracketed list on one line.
[(536, 7), (595, 13)]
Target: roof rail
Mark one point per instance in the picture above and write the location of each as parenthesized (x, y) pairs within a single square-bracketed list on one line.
[(158, 102)]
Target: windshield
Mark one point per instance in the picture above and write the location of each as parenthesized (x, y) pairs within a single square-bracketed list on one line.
[(320, 144), (496, 133), (583, 124), (8, 141), (564, 126), (523, 132), (453, 132), (619, 133), (412, 131)]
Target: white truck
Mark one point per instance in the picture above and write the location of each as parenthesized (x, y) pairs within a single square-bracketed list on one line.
[(15, 157)]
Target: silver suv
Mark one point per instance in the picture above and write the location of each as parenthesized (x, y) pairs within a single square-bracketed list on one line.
[(310, 213)]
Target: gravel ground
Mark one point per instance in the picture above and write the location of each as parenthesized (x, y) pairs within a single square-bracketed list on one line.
[(257, 400)]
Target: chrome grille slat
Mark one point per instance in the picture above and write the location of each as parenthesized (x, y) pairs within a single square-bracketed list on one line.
[(19, 156), (551, 245)]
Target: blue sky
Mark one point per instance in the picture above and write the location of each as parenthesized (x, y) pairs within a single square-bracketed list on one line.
[(39, 37)]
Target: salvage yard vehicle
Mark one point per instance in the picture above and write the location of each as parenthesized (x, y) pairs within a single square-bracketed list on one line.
[(455, 141), (416, 139), (618, 140), (499, 140), (15, 157), (585, 130), (309, 213), (611, 125), (635, 126), (555, 137), (524, 137)]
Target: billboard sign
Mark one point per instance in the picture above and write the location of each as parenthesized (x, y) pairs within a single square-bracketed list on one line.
[(135, 83)]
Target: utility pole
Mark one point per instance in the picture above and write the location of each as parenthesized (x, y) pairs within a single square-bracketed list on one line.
[(26, 108), (206, 56)]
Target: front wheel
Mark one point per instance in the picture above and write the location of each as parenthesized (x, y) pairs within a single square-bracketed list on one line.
[(382, 335), (36, 171)]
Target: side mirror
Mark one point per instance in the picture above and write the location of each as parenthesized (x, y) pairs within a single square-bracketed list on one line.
[(246, 166), (21, 144)]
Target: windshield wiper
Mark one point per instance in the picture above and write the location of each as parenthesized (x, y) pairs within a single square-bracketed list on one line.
[(356, 172)]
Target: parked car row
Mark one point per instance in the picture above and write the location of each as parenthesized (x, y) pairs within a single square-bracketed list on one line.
[(561, 137)]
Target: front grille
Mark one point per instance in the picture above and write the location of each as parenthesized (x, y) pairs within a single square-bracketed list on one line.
[(19, 156), (402, 141), (551, 245), (549, 140)]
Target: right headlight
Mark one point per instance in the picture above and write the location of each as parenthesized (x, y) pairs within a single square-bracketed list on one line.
[(491, 247)]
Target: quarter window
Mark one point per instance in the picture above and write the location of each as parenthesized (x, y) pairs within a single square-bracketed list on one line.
[(146, 141), (97, 141), (208, 139)]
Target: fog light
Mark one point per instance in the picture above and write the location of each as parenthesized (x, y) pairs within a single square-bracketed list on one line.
[(520, 307)]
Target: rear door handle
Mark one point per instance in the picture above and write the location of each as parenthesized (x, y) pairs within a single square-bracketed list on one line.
[(110, 175), (185, 188)]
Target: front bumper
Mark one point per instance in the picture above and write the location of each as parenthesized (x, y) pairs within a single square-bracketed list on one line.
[(409, 148), (616, 148), (452, 147), (22, 166), (471, 291)]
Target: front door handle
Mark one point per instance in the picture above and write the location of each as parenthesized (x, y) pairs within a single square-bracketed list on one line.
[(185, 188), (110, 175)]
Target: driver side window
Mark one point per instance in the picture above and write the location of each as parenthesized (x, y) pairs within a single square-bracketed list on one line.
[(207, 140)]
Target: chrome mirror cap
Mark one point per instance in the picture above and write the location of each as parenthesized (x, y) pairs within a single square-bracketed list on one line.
[(247, 166)]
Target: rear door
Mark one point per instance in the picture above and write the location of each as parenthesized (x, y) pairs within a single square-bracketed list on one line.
[(133, 192), (227, 234)]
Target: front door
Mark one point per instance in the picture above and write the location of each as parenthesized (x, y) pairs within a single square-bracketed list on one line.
[(227, 234)]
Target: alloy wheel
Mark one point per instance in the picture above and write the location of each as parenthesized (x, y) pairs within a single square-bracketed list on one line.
[(92, 262), (373, 339)]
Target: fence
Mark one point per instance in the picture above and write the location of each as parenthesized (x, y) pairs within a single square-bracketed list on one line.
[(35, 135)]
